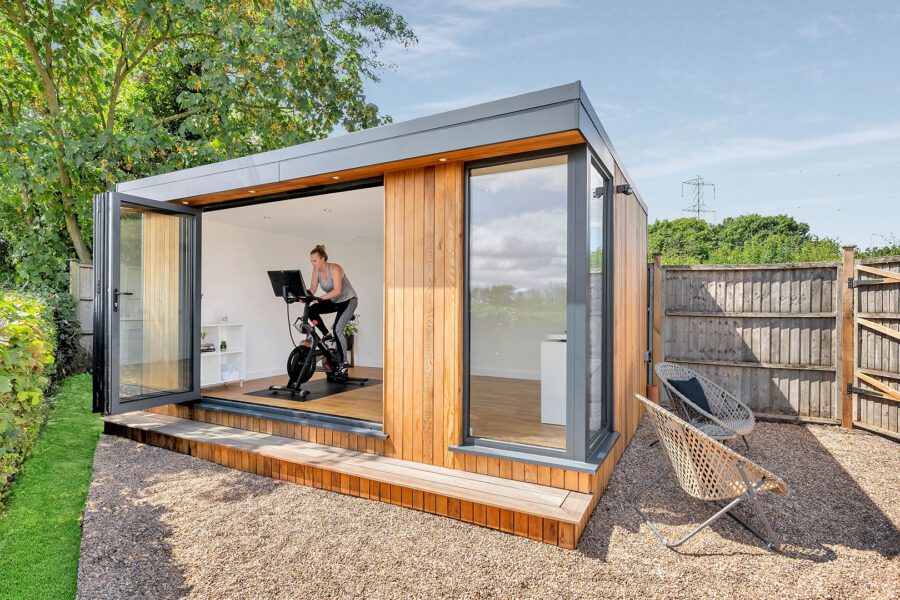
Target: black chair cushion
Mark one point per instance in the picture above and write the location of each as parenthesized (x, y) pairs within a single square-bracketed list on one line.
[(693, 391)]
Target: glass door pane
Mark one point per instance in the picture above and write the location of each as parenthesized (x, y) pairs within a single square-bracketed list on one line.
[(154, 303), (147, 303)]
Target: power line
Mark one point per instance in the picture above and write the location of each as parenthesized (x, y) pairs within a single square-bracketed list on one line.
[(699, 204)]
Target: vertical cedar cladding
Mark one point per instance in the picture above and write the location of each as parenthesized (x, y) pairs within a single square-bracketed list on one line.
[(423, 316), (423, 323)]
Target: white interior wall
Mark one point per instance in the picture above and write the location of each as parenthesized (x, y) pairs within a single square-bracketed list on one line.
[(234, 281)]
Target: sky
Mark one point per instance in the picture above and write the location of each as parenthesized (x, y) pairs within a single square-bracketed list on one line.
[(787, 107)]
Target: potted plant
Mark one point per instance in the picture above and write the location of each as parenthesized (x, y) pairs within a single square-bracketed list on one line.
[(350, 330), (204, 345)]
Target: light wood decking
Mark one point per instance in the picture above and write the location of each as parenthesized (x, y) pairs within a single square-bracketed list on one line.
[(502, 409), (544, 513)]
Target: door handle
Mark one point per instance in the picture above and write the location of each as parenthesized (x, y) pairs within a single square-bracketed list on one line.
[(116, 294)]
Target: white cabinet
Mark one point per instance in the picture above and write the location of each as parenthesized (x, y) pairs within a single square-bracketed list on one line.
[(553, 380), (223, 365)]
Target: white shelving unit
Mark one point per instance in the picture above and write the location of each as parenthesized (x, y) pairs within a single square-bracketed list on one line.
[(224, 366)]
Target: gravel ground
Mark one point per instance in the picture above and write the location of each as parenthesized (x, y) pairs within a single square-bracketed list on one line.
[(164, 525)]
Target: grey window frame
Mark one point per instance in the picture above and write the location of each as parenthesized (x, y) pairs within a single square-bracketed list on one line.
[(600, 441), (580, 450)]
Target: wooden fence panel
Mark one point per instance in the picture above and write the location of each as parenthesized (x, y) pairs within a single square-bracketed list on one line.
[(878, 350), (81, 286), (766, 332)]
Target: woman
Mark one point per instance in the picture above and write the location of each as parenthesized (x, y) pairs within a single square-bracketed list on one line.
[(339, 298)]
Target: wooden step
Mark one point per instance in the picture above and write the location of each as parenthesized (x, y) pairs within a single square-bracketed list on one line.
[(543, 513)]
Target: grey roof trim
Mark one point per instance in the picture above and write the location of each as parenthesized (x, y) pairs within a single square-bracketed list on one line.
[(553, 110), (481, 112)]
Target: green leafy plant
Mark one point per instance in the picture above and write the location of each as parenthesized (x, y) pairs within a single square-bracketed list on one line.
[(352, 326), (26, 359)]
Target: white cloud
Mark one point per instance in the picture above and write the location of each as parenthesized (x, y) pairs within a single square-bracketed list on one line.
[(440, 42), (443, 36), (760, 149), (548, 178), (524, 251), (824, 27)]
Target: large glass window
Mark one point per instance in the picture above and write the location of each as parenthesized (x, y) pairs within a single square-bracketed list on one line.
[(517, 281), (598, 413)]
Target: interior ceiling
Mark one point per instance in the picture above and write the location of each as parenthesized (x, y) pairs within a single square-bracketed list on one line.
[(354, 217)]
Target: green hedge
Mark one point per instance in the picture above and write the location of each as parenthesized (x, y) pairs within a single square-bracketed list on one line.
[(27, 336)]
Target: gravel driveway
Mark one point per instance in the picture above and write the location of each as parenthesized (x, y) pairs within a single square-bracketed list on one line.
[(164, 525)]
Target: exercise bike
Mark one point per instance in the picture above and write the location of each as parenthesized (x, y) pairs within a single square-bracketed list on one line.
[(312, 349)]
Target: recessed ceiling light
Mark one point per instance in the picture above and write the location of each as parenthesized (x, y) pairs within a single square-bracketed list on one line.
[(443, 159), (335, 177), (184, 202), (252, 191)]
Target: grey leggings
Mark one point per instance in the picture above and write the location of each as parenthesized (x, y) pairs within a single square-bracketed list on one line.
[(344, 312)]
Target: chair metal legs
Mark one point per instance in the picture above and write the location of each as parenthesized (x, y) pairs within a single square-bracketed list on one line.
[(748, 496)]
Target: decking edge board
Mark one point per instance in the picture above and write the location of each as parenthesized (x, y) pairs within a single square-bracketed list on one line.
[(271, 456)]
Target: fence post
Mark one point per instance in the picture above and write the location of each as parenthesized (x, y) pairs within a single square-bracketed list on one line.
[(847, 358), (73, 278), (657, 312)]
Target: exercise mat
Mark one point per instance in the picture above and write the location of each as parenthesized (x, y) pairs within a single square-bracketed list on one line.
[(317, 388)]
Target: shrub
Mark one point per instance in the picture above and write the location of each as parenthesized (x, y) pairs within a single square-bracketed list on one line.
[(26, 360), (69, 357)]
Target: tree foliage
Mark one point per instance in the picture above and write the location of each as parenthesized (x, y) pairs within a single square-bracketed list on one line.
[(98, 91), (747, 239)]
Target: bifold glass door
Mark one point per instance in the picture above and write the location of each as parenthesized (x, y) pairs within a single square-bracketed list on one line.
[(147, 303)]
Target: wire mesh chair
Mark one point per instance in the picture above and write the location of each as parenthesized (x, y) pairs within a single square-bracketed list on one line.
[(728, 416), (708, 470)]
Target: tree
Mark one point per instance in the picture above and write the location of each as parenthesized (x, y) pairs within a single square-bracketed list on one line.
[(746, 239), (98, 91), (690, 239), (734, 232)]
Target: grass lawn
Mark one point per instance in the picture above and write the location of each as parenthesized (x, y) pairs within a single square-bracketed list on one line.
[(40, 530)]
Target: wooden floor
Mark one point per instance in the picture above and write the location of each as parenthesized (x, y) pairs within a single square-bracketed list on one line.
[(509, 410), (544, 513), (502, 409), (357, 402)]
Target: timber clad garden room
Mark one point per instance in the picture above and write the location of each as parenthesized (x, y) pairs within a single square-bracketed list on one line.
[(481, 336)]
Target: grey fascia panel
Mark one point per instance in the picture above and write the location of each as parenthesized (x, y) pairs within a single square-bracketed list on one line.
[(524, 102), (215, 182), (523, 124), (531, 123)]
